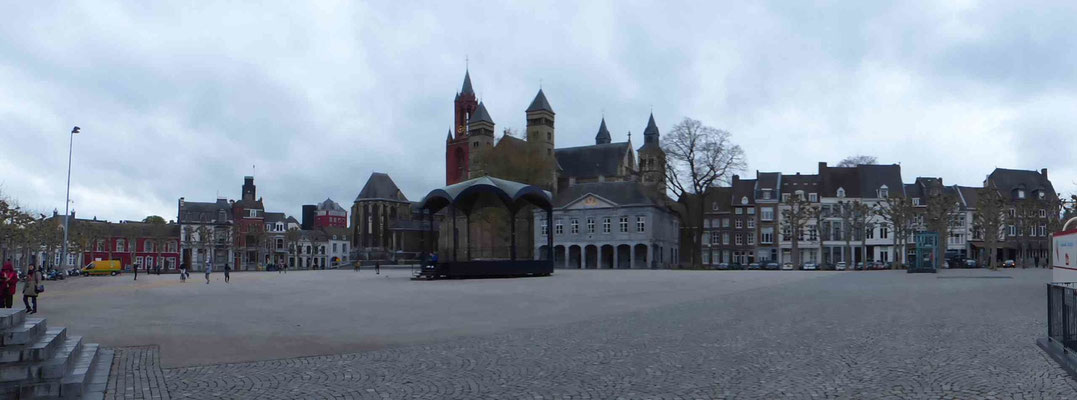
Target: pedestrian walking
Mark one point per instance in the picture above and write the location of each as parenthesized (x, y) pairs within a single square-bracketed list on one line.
[(136, 271), (377, 267), (209, 269), (356, 266), (8, 281), (30, 289), (183, 273), (227, 268)]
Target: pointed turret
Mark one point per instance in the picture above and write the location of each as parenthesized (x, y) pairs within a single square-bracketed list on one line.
[(466, 89), (449, 137), (650, 134), (480, 115), (540, 103), (603, 136)]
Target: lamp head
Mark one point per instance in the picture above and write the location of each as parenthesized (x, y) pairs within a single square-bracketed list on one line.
[(75, 130)]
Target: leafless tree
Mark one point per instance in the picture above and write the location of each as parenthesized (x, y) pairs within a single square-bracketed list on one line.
[(989, 220), (898, 214), (859, 159), (939, 216), (698, 157), (795, 220)]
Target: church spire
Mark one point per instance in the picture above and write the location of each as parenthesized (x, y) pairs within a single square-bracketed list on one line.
[(603, 136), (466, 89), (650, 134)]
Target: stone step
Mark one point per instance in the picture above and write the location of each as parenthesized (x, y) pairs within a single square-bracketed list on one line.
[(41, 350), (77, 379), (29, 331), (98, 381), (11, 317), (34, 372)]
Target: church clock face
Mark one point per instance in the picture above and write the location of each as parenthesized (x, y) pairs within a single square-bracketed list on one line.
[(460, 129)]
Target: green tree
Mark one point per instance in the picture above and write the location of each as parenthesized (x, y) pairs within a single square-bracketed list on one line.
[(153, 219)]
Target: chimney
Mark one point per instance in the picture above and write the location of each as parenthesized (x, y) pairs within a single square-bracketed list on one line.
[(822, 166), (1043, 172), (736, 178)]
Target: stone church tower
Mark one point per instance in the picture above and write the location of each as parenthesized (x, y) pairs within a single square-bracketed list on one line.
[(652, 159), (480, 138), (540, 132)]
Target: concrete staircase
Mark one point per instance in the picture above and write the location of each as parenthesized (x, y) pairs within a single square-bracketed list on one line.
[(38, 362)]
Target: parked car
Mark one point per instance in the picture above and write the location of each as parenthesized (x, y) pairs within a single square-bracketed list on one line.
[(970, 263), (879, 265), (736, 266), (787, 267), (722, 266), (754, 266), (1009, 264), (809, 267), (773, 266), (839, 266)]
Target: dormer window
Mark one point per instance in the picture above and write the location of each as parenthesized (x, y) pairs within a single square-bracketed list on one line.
[(1020, 193), (813, 197), (841, 192), (800, 194), (744, 200), (1041, 194), (714, 206), (785, 197), (884, 192), (915, 201), (766, 194)]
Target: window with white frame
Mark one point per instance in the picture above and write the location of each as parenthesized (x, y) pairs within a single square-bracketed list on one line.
[(147, 246), (869, 232), (706, 256), (884, 232), (751, 223), (1043, 230), (624, 224), (739, 239), (751, 239), (739, 224), (739, 211), (575, 223), (725, 222), (590, 225), (813, 197), (641, 224), (916, 201), (766, 236), (813, 233), (1013, 230), (800, 194), (751, 211), (766, 194), (785, 197), (545, 228), (767, 214), (1020, 193), (725, 238), (606, 225), (557, 227), (1043, 213), (120, 244)]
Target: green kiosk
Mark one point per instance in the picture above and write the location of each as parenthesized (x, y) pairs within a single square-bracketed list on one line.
[(927, 253)]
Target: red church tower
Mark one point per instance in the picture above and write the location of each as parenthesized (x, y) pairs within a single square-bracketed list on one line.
[(457, 155)]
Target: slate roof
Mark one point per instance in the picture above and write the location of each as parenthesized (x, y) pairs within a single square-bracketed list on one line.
[(912, 190), (723, 195), (329, 205), (480, 115), (970, 195), (873, 177), (603, 135), (274, 217), (807, 183), (743, 188), (257, 204), (193, 211), (622, 193), (380, 187), (592, 161), (1008, 181), (540, 103), (838, 177), (650, 133), (466, 89)]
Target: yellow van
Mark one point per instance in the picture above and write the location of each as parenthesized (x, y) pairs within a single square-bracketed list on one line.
[(110, 267)]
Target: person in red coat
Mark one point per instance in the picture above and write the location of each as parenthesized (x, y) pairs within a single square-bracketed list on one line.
[(8, 280)]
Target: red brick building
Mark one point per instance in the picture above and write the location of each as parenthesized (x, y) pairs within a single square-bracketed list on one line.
[(330, 214), (249, 229), (457, 152), (146, 245)]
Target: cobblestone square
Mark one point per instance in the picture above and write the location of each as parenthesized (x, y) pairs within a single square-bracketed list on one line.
[(576, 335)]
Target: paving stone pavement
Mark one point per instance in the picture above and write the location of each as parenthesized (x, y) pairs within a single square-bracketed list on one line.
[(136, 374), (856, 335)]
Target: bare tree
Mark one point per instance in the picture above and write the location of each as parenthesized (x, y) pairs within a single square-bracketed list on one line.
[(939, 216), (292, 237), (855, 215), (859, 159), (898, 214), (698, 157), (795, 220), (989, 220)]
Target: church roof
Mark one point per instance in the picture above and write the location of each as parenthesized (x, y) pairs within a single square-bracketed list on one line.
[(480, 115), (651, 132), (540, 103), (466, 89), (380, 187), (603, 135), (592, 161)]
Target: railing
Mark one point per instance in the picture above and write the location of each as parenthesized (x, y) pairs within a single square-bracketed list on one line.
[(1062, 314)]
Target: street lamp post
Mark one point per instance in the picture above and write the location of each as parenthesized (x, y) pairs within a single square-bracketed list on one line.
[(67, 200)]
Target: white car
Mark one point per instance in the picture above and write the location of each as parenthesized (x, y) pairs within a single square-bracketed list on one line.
[(787, 267), (839, 266)]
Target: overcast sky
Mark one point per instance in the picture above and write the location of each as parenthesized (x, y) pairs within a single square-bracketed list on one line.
[(182, 99)]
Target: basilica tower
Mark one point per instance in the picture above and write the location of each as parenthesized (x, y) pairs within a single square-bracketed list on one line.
[(652, 159), (457, 154)]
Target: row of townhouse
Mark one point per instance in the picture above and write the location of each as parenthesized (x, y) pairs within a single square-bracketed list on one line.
[(247, 237), (744, 224)]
